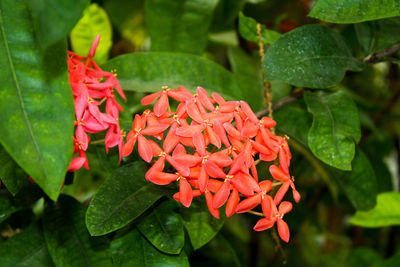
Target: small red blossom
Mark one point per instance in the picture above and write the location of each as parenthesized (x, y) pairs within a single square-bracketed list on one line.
[(91, 87), (211, 146)]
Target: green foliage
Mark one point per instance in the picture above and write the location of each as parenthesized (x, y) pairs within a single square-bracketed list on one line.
[(121, 199), (35, 100), (225, 13), (95, 21), (180, 25), (131, 249), (344, 141), (200, 225), (385, 213), (7, 207), (360, 185), (148, 72), (335, 128), (310, 56), (11, 174), (374, 36), (67, 238), (295, 122), (63, 15), (26, 249), (163, 228), (248, 75), (353, 11), (248, 29)]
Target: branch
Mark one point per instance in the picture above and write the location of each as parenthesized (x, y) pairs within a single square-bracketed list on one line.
[(380, 56), (280, 103)]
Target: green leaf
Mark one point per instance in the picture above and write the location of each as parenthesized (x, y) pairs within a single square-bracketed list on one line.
[(366, 36), (294, 121), (248, 30), (364, 257), (55, 19), (385, 213), (164, 228), (388, 32), (36, 105), (10, 173), (248, 75), (335, 128), (310, 56), (148, 72), (225, 14), (94, 22), (180, 25), (378, 35), (353, 11), (7, 207), (121, 199), (26, 249), (218, 252), (200, 224), (360, 184), (68, 240), (131, 249)]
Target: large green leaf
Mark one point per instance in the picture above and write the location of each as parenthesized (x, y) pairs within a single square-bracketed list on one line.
[(352, 11), (121, 199), (131, 249), (10, 173), (55, 19), (200, 224), (26, 249), (36, 106), (164, 228), (248, 75), (179, 25), (148, 72), (335, 128), (360, 184), (309, 56), (67, 238), (248, 29), (385, 213), (94, 22)]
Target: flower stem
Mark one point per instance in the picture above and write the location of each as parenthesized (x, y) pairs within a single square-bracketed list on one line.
[(267, 90), (97, 141), (256, 213)]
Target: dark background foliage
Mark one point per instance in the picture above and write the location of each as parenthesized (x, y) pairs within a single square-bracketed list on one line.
[(333, 70)]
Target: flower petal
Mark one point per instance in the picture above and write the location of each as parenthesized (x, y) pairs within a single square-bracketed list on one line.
[(232, 203), (185, 192), (222, 195), (283, 230), (249, 203), (264, 224)]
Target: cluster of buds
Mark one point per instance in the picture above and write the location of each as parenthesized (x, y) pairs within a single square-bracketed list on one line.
[(91, 87), (212, 147)]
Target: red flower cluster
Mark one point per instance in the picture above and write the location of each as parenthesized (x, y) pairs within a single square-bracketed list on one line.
[(212, 145), (91, 86)]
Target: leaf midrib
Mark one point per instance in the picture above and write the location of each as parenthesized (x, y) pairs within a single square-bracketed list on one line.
[(19, 93), (333, 124)]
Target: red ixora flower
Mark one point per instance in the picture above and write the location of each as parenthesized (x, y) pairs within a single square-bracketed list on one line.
[(212, 147), (91, 88)]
